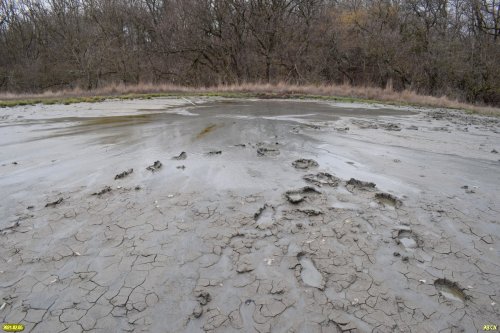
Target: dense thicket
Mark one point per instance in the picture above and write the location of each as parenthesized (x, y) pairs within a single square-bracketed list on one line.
[(449, 47)]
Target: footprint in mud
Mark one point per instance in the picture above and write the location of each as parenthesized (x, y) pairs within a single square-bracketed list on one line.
[(247, 310), (265, 217), (297, 196), (124, 174), (155, 167), (268, 151), (408, 239), (450, 290), (181, 156), (359, 184), (387, 199), (309, 273), (322, 178), (305, 164)]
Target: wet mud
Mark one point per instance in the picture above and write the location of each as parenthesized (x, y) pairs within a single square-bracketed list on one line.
[(124, 174), (322, 179), (388, 199), (155, 166), (285, 231), (305, 164), (181, 156), (450, 290)]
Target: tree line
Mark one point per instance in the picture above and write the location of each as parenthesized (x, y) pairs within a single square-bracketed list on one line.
[(436, 47)]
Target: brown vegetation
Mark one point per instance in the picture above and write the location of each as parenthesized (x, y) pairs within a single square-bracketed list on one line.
[(343, 92), (426, 47)]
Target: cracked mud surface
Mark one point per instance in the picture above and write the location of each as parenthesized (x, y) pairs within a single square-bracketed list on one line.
[(240, 241)]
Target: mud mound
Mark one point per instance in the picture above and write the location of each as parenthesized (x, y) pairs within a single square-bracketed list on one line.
[(155, 167), (305, 164), (181, 156), (105, 190), (322, 178), (359, 184), (124, 174)]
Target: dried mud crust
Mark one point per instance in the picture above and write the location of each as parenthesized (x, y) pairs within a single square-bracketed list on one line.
[(290, 265)]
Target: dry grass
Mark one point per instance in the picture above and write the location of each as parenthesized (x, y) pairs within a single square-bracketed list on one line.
[(280, 90)]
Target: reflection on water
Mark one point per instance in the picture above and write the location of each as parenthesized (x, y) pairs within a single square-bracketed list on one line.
[(124, 128)]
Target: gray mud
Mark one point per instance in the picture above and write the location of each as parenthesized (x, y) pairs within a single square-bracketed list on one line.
[(322, 179), (240, 241), (304, 164)]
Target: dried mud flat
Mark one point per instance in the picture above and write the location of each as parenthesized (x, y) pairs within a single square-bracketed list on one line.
[(246, 215)]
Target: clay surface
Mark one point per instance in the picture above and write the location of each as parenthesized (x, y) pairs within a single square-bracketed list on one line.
[(262, 216)]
